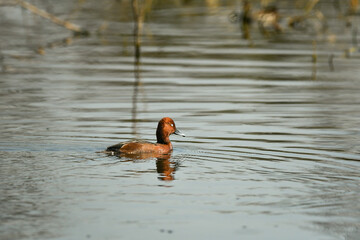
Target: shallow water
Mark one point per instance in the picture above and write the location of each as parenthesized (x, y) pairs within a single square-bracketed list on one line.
[(272, 147)]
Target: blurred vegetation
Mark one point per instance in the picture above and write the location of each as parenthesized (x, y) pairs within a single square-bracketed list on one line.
[(304, 15), (269, 17)]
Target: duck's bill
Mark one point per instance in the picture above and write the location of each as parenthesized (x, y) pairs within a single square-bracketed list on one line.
[(178, 132)]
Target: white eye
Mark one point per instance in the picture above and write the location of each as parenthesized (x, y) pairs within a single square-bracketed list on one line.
[(171, 124)]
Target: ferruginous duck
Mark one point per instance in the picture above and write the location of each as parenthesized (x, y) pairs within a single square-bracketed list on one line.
[(165, 128)]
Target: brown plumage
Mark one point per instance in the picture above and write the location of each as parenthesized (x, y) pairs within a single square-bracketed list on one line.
[(165, 128)]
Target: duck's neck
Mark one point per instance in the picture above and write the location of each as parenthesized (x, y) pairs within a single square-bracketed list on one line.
[(162, 138)]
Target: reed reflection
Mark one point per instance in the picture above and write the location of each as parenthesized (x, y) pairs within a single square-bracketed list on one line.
[(138, 22), (244, 18)]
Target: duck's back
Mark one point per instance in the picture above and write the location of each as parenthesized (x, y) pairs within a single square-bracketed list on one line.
[(138, 147)]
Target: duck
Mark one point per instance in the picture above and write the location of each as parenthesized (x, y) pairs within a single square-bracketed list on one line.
[(165, 128)]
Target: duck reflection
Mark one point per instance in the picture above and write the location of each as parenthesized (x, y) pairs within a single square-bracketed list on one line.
[(165, 167)]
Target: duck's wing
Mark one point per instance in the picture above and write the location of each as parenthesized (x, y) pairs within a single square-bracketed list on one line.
[(116, 148)]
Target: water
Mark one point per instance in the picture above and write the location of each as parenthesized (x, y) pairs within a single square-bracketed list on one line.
[(271, 150)]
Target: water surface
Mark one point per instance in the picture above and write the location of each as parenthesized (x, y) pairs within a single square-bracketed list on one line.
[(271, 150)]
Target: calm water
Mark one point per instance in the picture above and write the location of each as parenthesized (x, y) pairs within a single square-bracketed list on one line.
[(270, 153)]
